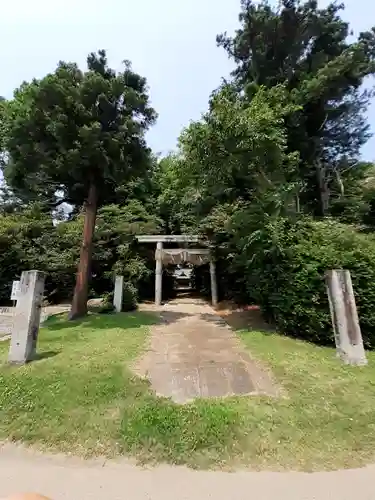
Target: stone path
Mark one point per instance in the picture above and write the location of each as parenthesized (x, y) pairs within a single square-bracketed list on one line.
[(193, 353), (73, 479)]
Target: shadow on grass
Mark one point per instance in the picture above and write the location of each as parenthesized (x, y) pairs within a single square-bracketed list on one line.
[(251, 320), (248, 321), (45, 355), (133, 319)]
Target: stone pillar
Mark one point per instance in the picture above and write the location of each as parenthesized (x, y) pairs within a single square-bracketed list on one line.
[(214, 296), (117, 296), (158, 273), (27, 317), (345, 322)]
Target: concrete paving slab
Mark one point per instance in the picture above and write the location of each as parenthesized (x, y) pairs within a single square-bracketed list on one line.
[(194, 354)]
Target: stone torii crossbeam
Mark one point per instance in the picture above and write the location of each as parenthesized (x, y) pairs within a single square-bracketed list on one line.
[(195, 256)]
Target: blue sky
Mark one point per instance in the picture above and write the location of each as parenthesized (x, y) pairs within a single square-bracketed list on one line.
[(170, 42)]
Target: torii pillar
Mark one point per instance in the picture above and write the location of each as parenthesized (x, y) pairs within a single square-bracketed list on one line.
[(214, 295), (158, 273)]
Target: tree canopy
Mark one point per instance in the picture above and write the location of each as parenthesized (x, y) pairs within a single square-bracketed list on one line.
[(77, 136), (306, 48)]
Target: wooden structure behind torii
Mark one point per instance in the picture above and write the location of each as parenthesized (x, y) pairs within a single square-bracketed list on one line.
[(196, 256)]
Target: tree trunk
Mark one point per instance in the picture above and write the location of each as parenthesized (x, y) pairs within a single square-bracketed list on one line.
[(298, 205), (324, 192), (79, 303)]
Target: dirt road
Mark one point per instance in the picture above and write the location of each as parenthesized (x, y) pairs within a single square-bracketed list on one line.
[(74, 479)]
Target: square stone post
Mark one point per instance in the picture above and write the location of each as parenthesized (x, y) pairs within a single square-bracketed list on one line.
[(214, 296), (158, 273), (117, 296), (27, 317), (345, 322)]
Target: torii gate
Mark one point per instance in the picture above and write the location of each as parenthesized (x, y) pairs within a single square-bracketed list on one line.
[(197, 256)]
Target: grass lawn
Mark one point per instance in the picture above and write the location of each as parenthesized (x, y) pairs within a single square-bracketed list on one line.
[(81, 397)]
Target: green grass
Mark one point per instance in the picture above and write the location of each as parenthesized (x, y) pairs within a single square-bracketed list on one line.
[(81, 397), (327, 418), (73, 398)]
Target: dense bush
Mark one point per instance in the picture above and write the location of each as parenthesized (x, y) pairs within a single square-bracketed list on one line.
[(285, 267), (129, 297), (30, 239)]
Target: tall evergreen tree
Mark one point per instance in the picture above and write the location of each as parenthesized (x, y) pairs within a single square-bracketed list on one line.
[(307, 49), (75, 136)]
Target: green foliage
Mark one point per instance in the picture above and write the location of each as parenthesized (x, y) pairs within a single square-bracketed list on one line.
[(117, 252), (285, 265), (239, 149), (175, 192), (236, 153), (307, 49), (77, 128), (282, 138), (77, 137), (30, 240), (129, 297)]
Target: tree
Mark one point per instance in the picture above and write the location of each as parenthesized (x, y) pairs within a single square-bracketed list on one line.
[(116, 249), (74, 137), (307, 49), (232, 163), (30, 240), (238, 152), (174, 192)]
